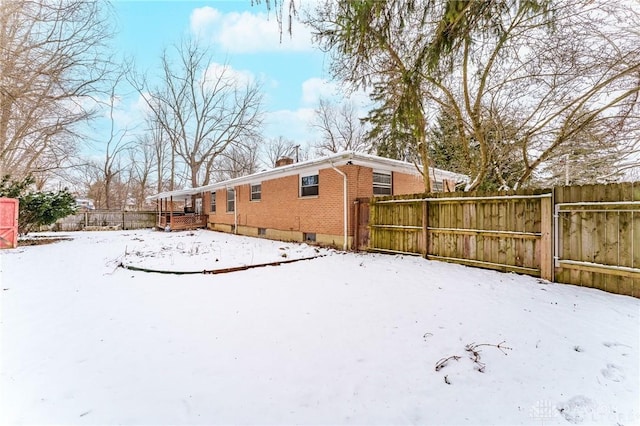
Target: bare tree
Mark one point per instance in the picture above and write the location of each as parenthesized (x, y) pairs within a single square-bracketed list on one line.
[(277, 148), (577, 78), (592, 157), (115, 147), (155, 142), (51, 63), (142, 166), (91, 183), (340, 128), (239, 159), (95, 188), (202, 108)]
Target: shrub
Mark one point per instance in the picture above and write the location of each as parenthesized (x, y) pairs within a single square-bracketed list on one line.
[(37, 208)]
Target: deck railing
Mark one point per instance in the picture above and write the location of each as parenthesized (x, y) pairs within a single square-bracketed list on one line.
[(179, 222)]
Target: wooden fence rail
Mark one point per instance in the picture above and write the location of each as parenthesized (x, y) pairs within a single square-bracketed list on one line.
[(587, 235), (106, 218)]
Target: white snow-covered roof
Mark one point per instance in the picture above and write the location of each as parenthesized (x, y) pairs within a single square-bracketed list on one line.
[(339, 159), (177, 195)]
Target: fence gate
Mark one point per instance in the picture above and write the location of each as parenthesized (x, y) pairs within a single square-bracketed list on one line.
[(8, 223), (597, 244), (361, 223)]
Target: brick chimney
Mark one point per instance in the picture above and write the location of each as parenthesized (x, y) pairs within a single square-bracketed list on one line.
[(284, 161)]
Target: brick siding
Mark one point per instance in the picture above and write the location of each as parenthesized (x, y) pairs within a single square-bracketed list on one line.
[(286, 215)]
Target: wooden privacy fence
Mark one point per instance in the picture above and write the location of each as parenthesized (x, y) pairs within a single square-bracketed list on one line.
[(503, 232), (583, 235), (597, 240), (106, 218)]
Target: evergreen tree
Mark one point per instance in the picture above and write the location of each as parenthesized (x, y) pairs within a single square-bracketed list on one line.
[(36, 208)]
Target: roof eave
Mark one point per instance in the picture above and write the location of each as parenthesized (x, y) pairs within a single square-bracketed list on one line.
[(338, 159)]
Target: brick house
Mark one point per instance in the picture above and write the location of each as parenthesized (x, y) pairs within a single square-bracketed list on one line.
[(308, 201)]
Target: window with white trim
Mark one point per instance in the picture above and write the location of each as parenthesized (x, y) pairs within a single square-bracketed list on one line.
[(309, 185), (213, 203), (382, 183), (231, 200), (256, 192)]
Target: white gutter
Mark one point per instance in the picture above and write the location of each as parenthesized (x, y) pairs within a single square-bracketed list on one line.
[(235, 211), (344, 205)]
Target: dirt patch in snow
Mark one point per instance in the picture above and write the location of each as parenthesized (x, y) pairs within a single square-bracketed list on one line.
[(38, 241)]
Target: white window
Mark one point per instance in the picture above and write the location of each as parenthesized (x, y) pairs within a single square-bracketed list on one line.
[(198, 205), (382, 183), (213, 202), (231, 200), (256, 192), (309, 185)]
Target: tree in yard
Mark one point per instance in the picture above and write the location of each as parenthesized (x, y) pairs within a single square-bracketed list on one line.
[(90, 180), (377, 44), (519, 79), (115, 148), (142, 166), (36, 208), (87, 180), (201, 107), (552, 73), (449, 152), (164, 157), (339, 127), (152, 156), (51, 64)]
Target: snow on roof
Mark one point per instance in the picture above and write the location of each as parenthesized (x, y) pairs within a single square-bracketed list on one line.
[(339, 159)]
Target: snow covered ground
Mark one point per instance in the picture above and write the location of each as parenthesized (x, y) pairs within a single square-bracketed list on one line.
[(341, 339)]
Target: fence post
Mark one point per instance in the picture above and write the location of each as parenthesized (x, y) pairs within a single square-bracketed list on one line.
[(123, 221), (425, 230), (86, 219), (546, 239)]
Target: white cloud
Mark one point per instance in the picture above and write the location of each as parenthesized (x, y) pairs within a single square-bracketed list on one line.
[(201, 18), (245, 32), (315, 88), (290, 124), (239, 78)]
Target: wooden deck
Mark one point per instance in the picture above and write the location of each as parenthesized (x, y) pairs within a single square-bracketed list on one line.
[(179, 222)]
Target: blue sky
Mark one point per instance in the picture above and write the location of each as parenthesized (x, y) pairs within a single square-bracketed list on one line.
[(294, 73)]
